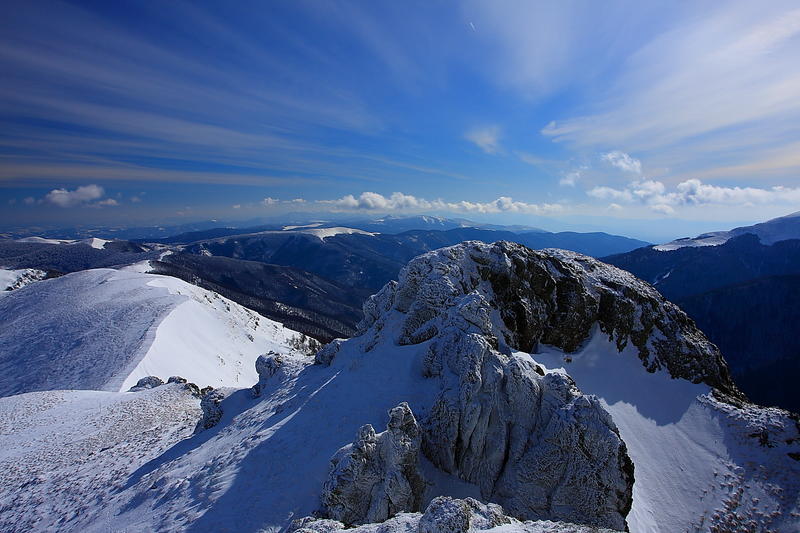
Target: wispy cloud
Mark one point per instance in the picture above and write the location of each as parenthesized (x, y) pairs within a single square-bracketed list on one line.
[(487, 138), (718, 85), (623, 161)]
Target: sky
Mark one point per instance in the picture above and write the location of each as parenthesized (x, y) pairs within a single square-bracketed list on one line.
[(651, 119)]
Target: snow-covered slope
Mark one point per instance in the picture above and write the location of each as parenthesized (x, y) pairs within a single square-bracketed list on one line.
[(104, 329), (769, 232), (458, 372), (64, 453)]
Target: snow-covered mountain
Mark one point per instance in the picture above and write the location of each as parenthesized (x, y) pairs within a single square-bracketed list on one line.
[(547, 382), (105, 329), (769, 232)]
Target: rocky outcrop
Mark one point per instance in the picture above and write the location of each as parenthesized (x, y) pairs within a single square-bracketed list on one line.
[(147, 382), (552, 297), (534, 443), (377, 476), (211, 404), (445, 515), (528, 439)]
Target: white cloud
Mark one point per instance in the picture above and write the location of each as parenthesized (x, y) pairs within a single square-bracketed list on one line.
[(83, 195), (237, 206), (623, 161), (107, 202), (571, 177), (398, 201), (269, 201), (486, 138), (693, 192), (29, 200), (135, 199)]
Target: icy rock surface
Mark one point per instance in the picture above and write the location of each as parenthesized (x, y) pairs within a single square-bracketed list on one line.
[(534, 443), (523, 297), (147, 382), (377, 476), (211, 404), (446, 515)]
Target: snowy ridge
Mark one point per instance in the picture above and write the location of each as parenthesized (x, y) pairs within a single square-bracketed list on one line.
[(769, 232), (105, 329)]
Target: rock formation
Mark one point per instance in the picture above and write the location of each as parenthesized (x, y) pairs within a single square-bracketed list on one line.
[(377, 476)]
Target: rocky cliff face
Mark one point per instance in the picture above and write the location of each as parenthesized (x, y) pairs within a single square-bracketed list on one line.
[(518, 298)]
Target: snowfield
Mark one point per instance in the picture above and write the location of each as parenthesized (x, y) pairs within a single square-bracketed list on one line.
[(63, 454), (105, 329)]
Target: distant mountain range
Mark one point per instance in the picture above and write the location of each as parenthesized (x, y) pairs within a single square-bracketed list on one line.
[(742, 287), (313, 277)]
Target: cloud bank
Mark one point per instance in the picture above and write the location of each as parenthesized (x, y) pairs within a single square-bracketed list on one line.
[(655, 195)]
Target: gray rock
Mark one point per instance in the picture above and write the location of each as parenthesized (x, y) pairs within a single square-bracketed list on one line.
[(326, 355), (378, 475), (529, 440), (521, 298), (147, 382), (449, 515), (445, 515), (211, 404)]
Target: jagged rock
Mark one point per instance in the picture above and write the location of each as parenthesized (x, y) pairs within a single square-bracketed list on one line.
[(529, 440), (211, 404), (446, 515), (176, 379), (325, 355), (449, 515), (523, 297), (147, 382), (378, 475), (267, 365)]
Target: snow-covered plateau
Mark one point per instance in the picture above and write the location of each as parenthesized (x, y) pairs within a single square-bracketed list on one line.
[(492, 388)]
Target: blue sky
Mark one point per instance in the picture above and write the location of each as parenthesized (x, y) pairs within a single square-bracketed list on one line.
[(629, 116)]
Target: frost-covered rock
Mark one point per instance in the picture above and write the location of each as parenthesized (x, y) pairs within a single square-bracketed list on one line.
[(522, 298), (211, 404), (446, 515), (377, 476), (326, 354), (147, 382), (449, 515), (530, 441)]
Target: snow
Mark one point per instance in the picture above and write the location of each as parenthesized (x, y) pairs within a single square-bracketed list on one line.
[(104, 329), (94, 242), (707, 239), (688, 461), (324, 233), (64, 453), (42, 240), (15, 279), (290, 228)]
